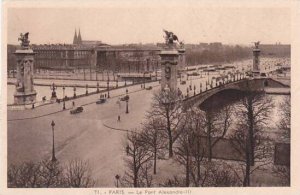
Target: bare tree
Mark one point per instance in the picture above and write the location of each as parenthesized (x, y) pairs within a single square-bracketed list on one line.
[(175, 182), (167, 105), (251, 144), (196, 126), (51, 174), (254, 111), (183, 154), (285, 116), (78, 174), (25, 175), (283, 172), (219, 175), (217, 124), (262, 153), (137, 158), (153, 138)]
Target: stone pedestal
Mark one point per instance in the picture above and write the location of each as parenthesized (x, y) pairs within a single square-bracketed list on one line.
[(256, 62), (169, 61), (25, 93), (181, 59)]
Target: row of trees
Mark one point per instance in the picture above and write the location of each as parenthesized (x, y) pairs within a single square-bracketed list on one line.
[(186, 135), (189, 136), (48, 174), (224, 54)]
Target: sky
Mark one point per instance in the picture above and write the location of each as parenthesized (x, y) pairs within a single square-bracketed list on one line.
[(144, 24)]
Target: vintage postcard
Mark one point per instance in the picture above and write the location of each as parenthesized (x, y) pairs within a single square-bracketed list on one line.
[(150, 97)]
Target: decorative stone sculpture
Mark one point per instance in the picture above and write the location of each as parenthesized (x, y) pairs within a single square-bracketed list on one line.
[(25, 93), (256, 61), (171, 56)]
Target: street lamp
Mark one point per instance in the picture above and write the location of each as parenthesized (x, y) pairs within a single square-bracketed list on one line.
[(64, 105), (144, 79), (53, 150), (53, 88), (97, 87), (74, 89), (127, 99), (187, 92), (200, 87), (117, 178), (108, 96)]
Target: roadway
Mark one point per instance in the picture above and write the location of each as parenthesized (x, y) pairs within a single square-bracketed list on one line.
[(92, 135)]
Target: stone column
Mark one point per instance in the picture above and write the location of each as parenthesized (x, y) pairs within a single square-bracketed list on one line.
[(169, 61), (25, 93), (256, 61), (182, 62)]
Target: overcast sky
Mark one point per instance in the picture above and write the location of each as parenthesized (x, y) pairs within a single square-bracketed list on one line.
[(118, 25)]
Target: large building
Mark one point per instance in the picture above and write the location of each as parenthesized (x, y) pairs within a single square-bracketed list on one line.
[(87, 54)]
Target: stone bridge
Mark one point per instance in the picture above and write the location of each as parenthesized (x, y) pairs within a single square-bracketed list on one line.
[(239, 86)]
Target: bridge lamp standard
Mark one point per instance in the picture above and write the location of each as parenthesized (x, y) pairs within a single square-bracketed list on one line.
[(117, 178), (108, 96), (144, 80), (53, 88), (74, 89), (97, 87), (86, 89), (200, 87), (127, 100), (64, 103), (53, 150)]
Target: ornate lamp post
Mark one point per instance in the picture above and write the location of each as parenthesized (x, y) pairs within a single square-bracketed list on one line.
[(200, 87), (97, 87), (108, 96), (187, 92), (117, 178), (144, 80), (74, 89), (53, 150), (53, 88), (64, 104), (127, 99)]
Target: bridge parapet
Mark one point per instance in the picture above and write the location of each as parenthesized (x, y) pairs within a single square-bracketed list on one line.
[(243, 85)]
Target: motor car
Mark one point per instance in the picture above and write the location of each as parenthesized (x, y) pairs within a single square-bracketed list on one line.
[(124, 98), (183, 82), (101, 101), (263, 75), (76, 110), (148, 88)]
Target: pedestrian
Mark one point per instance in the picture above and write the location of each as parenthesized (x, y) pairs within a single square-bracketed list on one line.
[(105, 95), (33, 106), (73, 104), (119, 118)]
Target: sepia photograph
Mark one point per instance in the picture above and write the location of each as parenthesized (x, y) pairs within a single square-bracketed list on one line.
[(169, 97)]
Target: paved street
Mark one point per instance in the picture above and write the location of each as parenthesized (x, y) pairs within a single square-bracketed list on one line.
[(93, 135), (85, 135), (78, 136)]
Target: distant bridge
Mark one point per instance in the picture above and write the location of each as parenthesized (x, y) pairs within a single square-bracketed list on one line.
[(242, 85)]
